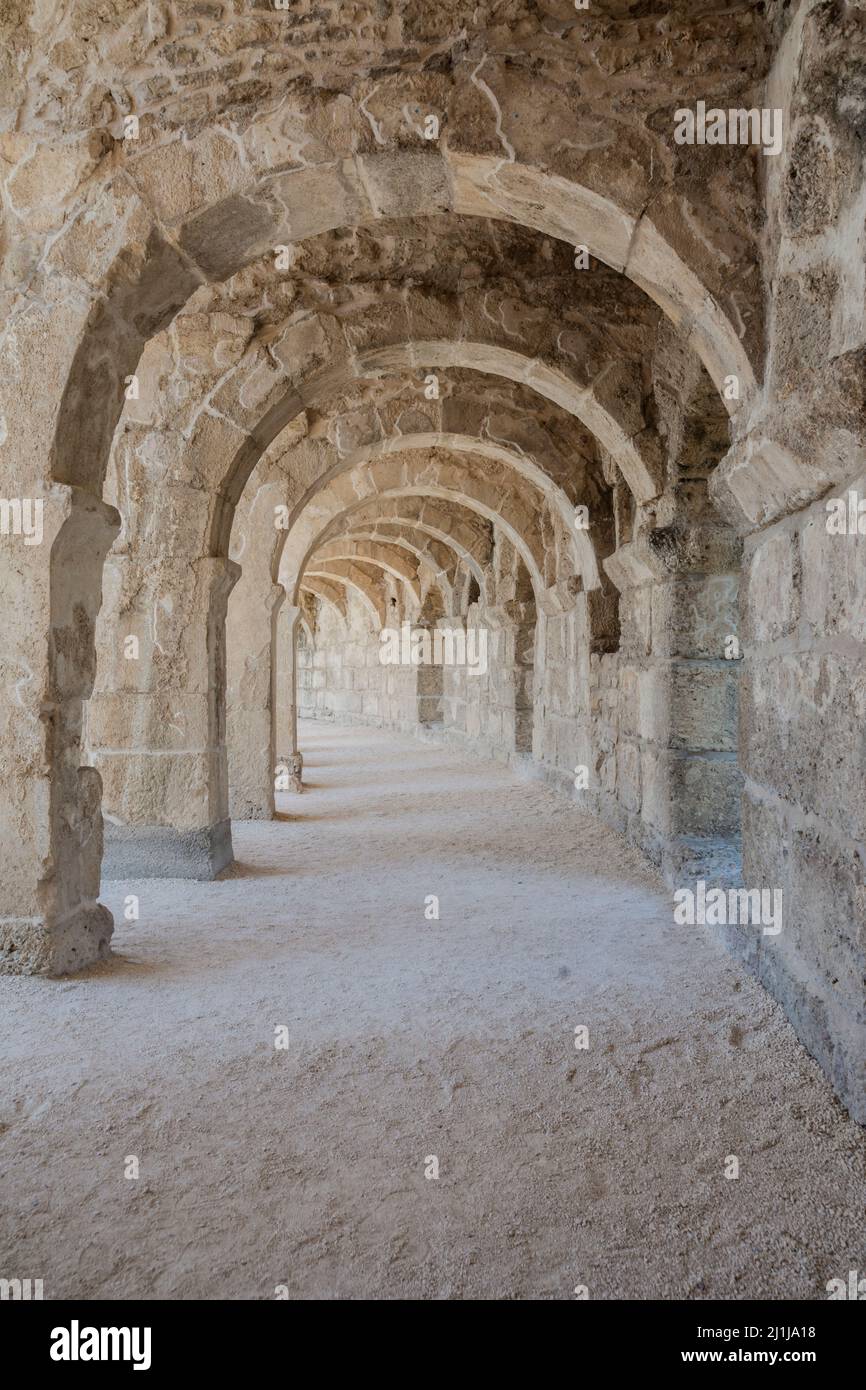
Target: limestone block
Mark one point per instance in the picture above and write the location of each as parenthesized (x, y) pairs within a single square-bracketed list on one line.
[(694, 615), (772, 597), (628, 775), (692, 794), (689, 705), (789, 706), (833, 579)]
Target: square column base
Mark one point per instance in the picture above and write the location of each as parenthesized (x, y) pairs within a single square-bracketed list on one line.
[(160, 851), (29, 947)]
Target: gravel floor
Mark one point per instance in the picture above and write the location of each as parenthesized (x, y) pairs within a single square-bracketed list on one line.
[(410, 1039)]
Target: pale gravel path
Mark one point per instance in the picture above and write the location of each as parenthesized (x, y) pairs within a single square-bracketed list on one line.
[(411, 1038)]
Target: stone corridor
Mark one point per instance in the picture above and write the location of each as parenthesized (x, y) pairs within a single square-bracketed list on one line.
[(409, 1038), (433, 479)]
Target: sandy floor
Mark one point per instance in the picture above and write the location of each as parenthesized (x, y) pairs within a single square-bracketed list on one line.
[(409, 1038)]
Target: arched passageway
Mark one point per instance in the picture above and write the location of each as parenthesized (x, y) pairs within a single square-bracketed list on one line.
[(426, 396)]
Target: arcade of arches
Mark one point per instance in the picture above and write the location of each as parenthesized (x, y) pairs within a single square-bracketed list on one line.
[(332, 319)]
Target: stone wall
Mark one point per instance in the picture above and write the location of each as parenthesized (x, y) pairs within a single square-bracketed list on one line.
[(486, 703), (340, 676), (804, 810), (803, 614), (492, 709), (646, 734)]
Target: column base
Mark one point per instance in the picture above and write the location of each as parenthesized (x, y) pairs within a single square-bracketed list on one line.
[(292, 778), (29, 947), (160, 851), (715, 858)]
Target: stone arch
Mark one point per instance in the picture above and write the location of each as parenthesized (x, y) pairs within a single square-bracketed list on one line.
[(212, 444), (460, 530), (343, 494), (513, 625), (584, 553), (591, 399), (437, 559), (330, 590), (353, 577), (147, 283), (137, 290), (289, 207), (386, 557), (640, 465)]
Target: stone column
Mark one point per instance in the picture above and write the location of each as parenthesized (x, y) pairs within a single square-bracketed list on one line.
[(251, 637), (522, 673), (504, 696), (290, 762), (50, 821), (429, 684), (156, 729), (677, 775)]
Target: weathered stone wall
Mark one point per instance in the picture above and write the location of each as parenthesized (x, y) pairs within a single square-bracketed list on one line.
[(562, 704), (646, 735), (341, 677), (803, 614), (804, 813), (492, 709)]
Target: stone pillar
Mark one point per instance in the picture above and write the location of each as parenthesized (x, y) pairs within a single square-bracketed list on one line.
[(454, 711), (50, 821), (506, 693), (251, 637), (156, 730), (493, 708), (572, 736), (523, 631), (429, 680), (290, 762), (677, 774)]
